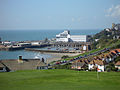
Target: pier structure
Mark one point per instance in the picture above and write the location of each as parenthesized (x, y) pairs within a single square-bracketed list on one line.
[(83, 46)]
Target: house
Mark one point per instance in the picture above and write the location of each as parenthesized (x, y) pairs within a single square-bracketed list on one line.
[(102, 57), (94, 64), (107, 57), (24, 64), (115, 51), (117, 65), (114, 55), (79, 64)]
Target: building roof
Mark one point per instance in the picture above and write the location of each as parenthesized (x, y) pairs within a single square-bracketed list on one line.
[(1, 65), (25, 64), (118, 50), (78, 35), (99, 62), (118, 63), (114, 51)]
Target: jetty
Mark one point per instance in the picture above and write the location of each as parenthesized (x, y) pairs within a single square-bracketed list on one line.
[(21, 46)]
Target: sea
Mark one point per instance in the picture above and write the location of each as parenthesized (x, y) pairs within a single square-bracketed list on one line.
[(30, 35)]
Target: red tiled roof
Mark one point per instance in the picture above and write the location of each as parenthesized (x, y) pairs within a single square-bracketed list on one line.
[(118, 50), (118, 63), (114, 50)]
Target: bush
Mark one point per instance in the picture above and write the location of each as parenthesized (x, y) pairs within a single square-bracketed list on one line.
[(111, 67), (64, 57), (67, 66)]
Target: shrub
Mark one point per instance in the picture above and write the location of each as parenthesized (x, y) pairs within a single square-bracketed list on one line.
[(64, 57)]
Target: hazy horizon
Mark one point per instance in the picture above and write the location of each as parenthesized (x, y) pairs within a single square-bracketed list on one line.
[(48, 29)]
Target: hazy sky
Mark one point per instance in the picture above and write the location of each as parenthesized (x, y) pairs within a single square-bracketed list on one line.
[(58, 14)]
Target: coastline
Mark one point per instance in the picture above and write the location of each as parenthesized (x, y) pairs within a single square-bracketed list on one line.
[(34, 35)]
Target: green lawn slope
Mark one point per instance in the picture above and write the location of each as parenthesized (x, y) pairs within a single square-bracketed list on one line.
[(59, 80)]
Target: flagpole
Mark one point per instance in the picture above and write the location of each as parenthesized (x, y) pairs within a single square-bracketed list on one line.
[(97, 75), (98, 70)]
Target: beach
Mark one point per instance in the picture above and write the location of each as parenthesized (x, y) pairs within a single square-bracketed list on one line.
[(57, 56)]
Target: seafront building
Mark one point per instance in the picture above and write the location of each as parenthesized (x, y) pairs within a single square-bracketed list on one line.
[(66, 37), (63, 37)]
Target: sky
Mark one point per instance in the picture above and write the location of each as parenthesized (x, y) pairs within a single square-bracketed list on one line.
[(58, 14)]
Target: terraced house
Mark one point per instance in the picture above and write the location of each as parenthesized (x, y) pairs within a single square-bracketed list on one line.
[(97, 62), (94, 64)]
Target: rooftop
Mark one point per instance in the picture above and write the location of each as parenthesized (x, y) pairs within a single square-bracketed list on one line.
[(99, 62), (118, 63), (25, 64)]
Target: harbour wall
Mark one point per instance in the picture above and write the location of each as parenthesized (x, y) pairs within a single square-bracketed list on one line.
[(23, 47)]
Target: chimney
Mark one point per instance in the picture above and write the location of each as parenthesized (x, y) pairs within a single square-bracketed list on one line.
[(43, 60), (20, 59)]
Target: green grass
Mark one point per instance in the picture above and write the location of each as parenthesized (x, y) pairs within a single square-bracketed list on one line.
[(59, 80)]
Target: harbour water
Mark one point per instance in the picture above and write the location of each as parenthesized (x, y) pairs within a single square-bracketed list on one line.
[(24, 35), (25, 54)]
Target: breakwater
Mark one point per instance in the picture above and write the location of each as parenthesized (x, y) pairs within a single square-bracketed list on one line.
[(49, 51), (13, 48)]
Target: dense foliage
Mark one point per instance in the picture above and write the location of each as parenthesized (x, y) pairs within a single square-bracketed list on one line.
[(105, 38)]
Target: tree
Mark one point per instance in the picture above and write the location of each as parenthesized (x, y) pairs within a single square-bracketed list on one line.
[(111, 67)]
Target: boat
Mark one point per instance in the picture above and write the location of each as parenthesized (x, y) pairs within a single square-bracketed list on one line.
[(36, 57)]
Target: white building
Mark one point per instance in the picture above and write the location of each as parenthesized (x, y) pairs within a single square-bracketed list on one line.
[(78, 38), (96, 64), (117, 27), (66, 37), (63, 37)]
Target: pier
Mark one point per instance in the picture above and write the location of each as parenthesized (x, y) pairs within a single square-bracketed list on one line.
[(12, 48)]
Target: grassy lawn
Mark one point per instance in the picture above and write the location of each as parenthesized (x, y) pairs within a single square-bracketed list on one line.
[(59, 80)]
